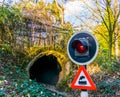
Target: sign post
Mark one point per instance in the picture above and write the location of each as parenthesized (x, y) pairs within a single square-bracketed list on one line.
[(82, 49), (84, 93)]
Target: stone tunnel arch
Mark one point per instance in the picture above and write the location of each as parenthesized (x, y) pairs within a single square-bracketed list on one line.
[(48, 67)]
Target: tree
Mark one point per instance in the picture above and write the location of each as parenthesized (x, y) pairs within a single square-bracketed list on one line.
[(105, 13), (116, 30), (9, 20)]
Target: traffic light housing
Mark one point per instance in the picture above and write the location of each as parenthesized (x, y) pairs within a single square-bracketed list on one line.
[(81, 47)]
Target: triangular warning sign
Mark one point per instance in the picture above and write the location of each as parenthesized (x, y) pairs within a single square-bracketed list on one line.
[(82, 80)]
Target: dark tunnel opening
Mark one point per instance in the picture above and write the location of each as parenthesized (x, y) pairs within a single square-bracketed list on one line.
[(45, 70)]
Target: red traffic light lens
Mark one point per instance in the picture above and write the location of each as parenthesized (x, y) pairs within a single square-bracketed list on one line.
[(80, 46)]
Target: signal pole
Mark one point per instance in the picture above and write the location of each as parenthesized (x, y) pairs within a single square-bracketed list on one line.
[(84, 93), (82, 49)]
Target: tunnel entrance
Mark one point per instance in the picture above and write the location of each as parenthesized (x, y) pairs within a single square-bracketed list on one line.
[(45, 69)]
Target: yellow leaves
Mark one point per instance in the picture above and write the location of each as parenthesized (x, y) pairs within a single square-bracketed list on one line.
[(10, 35), (29, 6), (68, 25), (94, 69), (39, 51), (40, 4)]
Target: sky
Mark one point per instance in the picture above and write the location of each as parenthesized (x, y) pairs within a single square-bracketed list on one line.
[(74, 9), (74, 12), (77, 14)]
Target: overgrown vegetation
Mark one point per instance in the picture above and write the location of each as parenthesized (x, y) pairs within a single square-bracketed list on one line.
[(24, 34), (14, 81)]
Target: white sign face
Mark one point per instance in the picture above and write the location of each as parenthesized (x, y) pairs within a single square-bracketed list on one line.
[(82, 80)]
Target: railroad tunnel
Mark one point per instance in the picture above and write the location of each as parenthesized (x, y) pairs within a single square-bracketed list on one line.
[(45, 69), (49, 67)]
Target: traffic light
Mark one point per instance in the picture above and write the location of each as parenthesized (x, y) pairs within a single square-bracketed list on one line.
[(81, 47)]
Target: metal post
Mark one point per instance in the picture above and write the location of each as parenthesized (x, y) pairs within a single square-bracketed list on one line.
[(84, 93)]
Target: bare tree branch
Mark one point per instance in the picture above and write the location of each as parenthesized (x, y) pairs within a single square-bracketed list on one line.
[(102, 16)]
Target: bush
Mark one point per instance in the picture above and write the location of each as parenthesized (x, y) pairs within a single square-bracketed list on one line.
[(103, 61), (17, 84)]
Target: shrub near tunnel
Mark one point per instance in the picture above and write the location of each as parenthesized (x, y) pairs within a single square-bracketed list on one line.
[(48, 67)]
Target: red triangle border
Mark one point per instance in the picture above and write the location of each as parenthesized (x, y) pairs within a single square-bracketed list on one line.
[(92, 87)]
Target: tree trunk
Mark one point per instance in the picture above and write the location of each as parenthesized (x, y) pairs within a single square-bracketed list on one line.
[(110, 47), (116, 43), (116, 33), (117, 50)]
